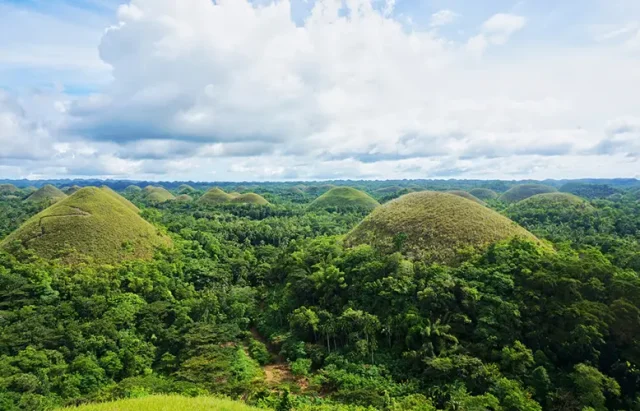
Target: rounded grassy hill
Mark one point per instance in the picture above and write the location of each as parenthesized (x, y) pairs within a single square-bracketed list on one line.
[(8, 189), (158, 194), (433, 225), (483, 194), (93, 222), (70, 190), (184, 198), (214, 196), (468, 196), (47, 193), (523, 191), (344, 198), (319, 189), (563, 211), (166, 403), (185, 189), (249, 198), (132, 189)]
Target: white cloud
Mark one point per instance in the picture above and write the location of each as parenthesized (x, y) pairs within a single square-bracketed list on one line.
[(239, 91), (442, 18)]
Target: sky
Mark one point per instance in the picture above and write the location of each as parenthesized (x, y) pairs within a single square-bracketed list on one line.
[(265, 90)]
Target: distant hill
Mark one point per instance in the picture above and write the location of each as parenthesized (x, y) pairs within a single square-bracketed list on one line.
[(158, 194), (466, 195), (520, 192), (589, 191), (249, 198), (214, 196), (185, 189), (345, 198), (70, 190), (184, 198), (319, 189), (166, 403), (8, 189), (483, 194), (132, 189), (47, 193), (93, 223), (434, 226)]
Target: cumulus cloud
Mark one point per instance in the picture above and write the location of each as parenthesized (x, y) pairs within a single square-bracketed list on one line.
[(238, 90), (442, 18)]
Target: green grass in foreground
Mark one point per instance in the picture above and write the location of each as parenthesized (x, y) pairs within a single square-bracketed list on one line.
[(166, 403), (434, 226)]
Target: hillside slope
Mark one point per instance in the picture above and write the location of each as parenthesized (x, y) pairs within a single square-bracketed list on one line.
[(93, 223), (166, 403), (433, 226), (344, 197)]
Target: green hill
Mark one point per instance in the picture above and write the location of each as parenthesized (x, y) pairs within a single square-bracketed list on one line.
[(483, 194), (319, 189), (70, 190), (249, 198), (434, 226), (214, 196), (520, 192), (389, 190), (344, 198), (234, 194), (468, 196), (166, 403), (296, 190), (123, 200), (184, 198), (158, 194), (132, 189), (8, 189), (47, 193), (93, 222), (185, 189)]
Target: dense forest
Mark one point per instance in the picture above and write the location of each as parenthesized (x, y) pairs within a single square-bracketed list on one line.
[(271, 294)]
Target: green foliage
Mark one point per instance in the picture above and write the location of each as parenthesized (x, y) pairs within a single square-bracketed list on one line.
[(438, 226), (249, 198), (344, 198), (301, 367), (521, 192), (92, 223)]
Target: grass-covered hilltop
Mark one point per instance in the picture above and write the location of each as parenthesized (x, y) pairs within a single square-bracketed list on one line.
[(483, 194), (93, 223), (434, 226), (253, 296), (521, 192), (47, 193), (340, 198)]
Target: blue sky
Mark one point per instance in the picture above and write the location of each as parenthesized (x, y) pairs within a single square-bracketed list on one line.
[(276, 90)]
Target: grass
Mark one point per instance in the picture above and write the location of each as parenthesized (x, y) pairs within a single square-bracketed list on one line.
[(70, 190), (554, 200), (184, 198), (344, 197), (158, 194), (483, 194), (47, 193), (123, 200), (93, 222), (521, 192), (8, 189), (166, 403), (389, 190), (214, 196), (319, 189), (132, 189), (185, 189), (249, 198), (466, 195), (433, 226)]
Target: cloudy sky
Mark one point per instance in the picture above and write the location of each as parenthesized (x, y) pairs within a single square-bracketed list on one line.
[(325, 89)]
